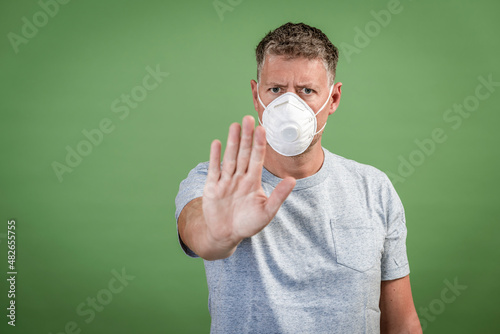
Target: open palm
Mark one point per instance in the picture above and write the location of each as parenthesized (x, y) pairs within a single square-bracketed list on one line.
[(234, 204)]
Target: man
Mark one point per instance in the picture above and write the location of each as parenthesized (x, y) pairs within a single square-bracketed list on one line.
[(296, 239)]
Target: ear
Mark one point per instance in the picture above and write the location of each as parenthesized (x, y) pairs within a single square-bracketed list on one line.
[(336, 93), (256, 104)]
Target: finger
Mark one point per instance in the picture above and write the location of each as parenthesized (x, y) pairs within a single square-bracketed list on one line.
[(231, 151), (279, 194), (214, 163), (245, 144), (258, 153)]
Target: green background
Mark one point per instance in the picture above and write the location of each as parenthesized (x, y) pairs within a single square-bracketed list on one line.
[(116, 208)]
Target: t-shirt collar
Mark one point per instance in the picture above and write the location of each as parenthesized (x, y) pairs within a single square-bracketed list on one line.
[(307, 182)]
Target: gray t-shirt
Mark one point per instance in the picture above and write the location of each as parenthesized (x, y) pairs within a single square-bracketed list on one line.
[(317, 267)]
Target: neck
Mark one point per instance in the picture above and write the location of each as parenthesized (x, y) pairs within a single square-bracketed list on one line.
[(298, 167)]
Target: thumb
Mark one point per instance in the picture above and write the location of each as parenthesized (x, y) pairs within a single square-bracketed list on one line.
[(279, 194)]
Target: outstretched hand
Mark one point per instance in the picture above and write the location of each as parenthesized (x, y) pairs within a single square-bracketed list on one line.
[(234, 204)]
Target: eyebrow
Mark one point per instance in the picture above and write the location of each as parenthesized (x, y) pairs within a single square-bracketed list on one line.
[(274, 84), (308, 85), (305, 84)]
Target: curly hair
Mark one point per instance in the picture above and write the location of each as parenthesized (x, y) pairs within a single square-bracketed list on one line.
[(298, 40)]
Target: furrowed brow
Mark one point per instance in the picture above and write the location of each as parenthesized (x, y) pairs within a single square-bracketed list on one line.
[(275, 84), (308, 85)]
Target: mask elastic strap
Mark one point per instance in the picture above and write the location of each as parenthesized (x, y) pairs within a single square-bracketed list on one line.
[(329, 94), (320, 129), (261, 103), (258, 96), (328, 99)]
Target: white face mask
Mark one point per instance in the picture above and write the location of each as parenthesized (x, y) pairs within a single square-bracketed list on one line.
[(290, 123)]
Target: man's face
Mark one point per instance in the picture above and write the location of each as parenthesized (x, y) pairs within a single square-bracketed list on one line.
[(305, 77)]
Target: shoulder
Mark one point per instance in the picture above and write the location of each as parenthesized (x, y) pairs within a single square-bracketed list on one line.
[(191, 187), (195, 178), (200, 169), (356, 171), (365, 181)]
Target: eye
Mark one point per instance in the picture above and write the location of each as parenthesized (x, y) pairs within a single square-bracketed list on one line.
[(275, 90), (307, 91)]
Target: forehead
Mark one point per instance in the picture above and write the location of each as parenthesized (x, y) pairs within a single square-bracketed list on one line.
[(296, 70)]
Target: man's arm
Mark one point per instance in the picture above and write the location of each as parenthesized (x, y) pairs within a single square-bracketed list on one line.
[(234, 205), (193, 235), (398, 314)]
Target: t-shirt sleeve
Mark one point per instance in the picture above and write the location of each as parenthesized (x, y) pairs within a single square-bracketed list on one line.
[(189, 189), (394, 258)]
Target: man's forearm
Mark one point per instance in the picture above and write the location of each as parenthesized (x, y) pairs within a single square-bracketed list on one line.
[(409, 326), (398, 314), (194, 233)]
